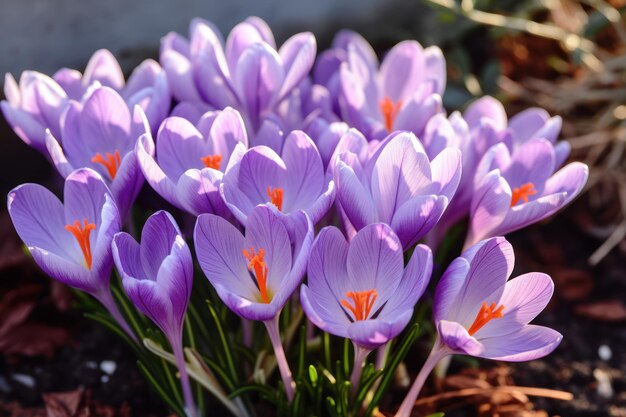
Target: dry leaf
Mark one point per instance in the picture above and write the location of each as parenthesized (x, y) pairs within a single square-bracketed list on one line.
[(613, 311), (17, 334), (32, 339), (572, 284), (63, 404)]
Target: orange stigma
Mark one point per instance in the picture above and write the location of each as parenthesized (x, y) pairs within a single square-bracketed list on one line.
[(390, 111), (212, 161), (363, 303), (81, 233), (111, 163), (484, 316), (522, 193), (276, 197), (258, 265)]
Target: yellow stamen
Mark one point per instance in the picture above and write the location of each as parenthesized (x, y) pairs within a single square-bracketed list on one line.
[(111, 163), (363, 302), (484, 316), (258, 265), (81, 233), (522, 193)]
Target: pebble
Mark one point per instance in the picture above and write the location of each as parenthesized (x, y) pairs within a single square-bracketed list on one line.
[(604, 388), (108, 367), (605, 353), (26, 380)]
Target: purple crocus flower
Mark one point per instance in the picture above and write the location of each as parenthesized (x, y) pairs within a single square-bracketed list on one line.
[(488, 125), (513, 190), (291, 182), (157, 276), (483, 125), (533, 123), (101, 134), (326, 136), (326, 71), (402, 94), (33, 106), (441, 133), (256, 274), (478, 312), (147, 86), (361, 290), (398, 186), (245, 72), (332, 139), (71, 241), (189, 163)]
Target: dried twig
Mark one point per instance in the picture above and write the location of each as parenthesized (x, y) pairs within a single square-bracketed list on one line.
[(470, 392), (570, 41)]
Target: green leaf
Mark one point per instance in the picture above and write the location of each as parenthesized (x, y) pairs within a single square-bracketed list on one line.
[(346, 357), (296, 405), (393, 362), (129, 312), (267, 392), (366, 385), (216, 368), (326, 343), (226, 346), (174, 406), (302, 352), (172, 380), (113, 326)]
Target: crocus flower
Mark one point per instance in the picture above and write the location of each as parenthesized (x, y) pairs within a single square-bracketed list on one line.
[(189, 163), (146, 87), (291, 182), (101, 134), (477, 312), (333, 139), (255, 274), (157, 275), (488, 125), (33, 106), (483, 125), (398, 186), (361, 290), (533, 123), (326, 70), (515, 189), (441, 133), (401, 94), (245, 72), (71, 241)]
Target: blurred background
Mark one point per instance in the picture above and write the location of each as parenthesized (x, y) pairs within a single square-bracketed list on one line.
[(567, 56)]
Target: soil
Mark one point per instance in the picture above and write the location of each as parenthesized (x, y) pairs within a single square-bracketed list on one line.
[(52, 351)]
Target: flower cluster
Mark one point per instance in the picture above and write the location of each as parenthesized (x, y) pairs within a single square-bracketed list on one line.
[(344, 170)]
